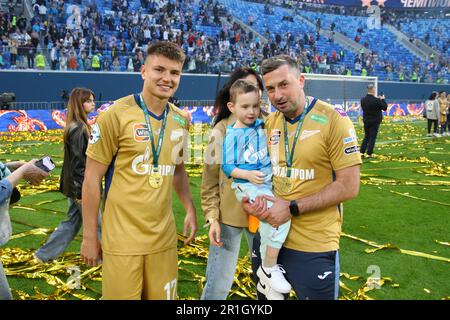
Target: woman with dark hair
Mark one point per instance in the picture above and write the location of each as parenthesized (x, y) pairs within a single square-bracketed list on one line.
[(76, 136), (432, 110), (220, 106), (222, 211)]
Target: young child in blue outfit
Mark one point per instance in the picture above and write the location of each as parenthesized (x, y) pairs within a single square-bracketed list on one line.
[(245, 159)]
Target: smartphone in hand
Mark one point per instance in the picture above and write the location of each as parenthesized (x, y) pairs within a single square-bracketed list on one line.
[(46, 164)]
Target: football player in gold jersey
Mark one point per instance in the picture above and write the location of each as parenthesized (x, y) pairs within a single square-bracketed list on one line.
[(316, 166), (136, 145)]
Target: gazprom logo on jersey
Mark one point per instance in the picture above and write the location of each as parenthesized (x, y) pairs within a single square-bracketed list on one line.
[(140, 132), (301, 174), (142, 165), (253, 156)]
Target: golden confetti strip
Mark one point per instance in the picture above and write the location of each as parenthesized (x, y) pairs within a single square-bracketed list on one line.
[(377, 180), (421, 199), (390, 246), (35, 209), (443, 243), (38, 231), (50, 201)]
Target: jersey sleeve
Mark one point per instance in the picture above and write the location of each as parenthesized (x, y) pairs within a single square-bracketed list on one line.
[(104, 139), (185, 126), (343, 143), (228, 154)]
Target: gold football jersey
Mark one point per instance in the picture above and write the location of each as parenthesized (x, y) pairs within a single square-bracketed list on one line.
[(326, 143), (137, 219)]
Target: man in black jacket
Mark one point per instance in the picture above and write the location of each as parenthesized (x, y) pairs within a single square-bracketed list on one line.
[(372, 116)]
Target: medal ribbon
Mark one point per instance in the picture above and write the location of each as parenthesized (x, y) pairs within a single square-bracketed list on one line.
[(155, 151), (290, 155)]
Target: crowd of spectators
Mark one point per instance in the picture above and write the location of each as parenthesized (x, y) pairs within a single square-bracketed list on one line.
[(65, 35), (434, 21)]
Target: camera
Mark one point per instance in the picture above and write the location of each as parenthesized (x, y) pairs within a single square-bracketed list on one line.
[(46, 164), (5, 99)]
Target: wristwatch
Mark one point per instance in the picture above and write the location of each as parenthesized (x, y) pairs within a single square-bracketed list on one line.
[(293, 208)]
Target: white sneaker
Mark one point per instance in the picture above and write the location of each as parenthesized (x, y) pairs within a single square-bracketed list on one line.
[(274, 277), (437, 135), (429, 135), (268, 291)]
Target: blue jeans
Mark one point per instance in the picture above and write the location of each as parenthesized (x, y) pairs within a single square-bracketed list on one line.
[(60, 239), (222, 262), (5, 292)]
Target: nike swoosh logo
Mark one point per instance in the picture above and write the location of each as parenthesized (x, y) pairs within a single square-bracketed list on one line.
[(308, 133), (267, 275), (262, 285), (323, 276)]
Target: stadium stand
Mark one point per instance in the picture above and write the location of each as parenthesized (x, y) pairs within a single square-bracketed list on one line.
[(218, 36)]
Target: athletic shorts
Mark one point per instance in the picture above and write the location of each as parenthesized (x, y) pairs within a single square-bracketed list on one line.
[(149, 277), (313, 275)]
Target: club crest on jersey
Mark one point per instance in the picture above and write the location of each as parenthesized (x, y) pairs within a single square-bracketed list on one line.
[(308, 133), (140, 132), (274, 137), (95, 134)]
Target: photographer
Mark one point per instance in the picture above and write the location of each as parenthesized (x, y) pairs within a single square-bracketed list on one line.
[(372, 116), (10, 175), (6, 99)]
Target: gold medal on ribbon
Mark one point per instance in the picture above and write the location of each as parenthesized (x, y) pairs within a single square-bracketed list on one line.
[(155, 180)]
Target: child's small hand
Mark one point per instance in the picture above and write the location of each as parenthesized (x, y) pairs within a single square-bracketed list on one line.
[(256, 177)]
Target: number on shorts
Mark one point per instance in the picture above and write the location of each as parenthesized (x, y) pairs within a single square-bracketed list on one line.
[(171, 286)]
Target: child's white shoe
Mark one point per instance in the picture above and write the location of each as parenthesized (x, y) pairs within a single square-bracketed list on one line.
[(274, 277), (268, 291)]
